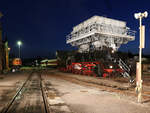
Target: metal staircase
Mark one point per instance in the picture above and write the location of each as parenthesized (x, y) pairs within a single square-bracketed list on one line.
[(125, 67)]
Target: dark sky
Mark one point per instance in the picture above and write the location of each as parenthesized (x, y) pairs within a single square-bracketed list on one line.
[(42, 25)]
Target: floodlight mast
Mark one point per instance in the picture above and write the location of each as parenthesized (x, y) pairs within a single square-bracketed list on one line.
[(139, 66), (19, 43)]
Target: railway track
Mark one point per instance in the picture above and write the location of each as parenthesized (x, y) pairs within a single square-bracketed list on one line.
[(30, 97)]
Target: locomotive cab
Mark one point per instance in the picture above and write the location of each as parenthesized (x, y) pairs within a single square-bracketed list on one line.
[(16, 64)]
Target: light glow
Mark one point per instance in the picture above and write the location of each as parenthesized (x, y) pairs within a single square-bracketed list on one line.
[(19, 43)]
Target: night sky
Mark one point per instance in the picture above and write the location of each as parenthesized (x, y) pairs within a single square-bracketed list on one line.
[(42, 25)]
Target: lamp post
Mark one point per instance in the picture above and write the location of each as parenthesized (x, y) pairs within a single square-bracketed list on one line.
[(19, 43), (142, 44)]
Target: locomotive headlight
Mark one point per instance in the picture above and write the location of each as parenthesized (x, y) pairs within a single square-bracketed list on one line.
[(110, 67)]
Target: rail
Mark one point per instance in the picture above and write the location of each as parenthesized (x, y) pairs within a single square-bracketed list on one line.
[(16, 95), (7, 108), (44, 96)]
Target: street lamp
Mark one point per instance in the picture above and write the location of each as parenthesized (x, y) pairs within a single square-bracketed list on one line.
[(142, 44), (19, 43)]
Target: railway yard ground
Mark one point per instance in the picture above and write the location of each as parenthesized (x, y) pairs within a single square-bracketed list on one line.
[(51, 91)]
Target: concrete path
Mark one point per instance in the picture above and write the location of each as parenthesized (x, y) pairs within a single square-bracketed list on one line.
[(83, 99)]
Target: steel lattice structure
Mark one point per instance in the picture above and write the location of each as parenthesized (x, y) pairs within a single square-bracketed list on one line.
[(98, 32)]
